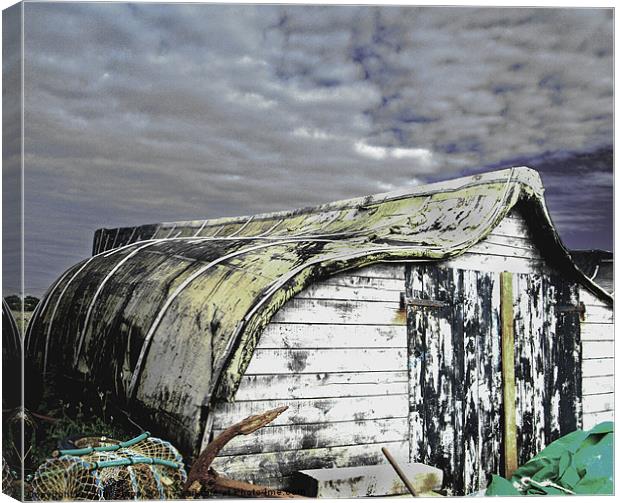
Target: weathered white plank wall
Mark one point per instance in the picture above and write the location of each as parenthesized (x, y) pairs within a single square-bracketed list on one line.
[(336, 354), (597, 340)]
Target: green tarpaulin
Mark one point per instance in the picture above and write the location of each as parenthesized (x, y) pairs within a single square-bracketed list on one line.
[(578, 463)]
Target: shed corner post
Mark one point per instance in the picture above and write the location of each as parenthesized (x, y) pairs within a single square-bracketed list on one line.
[(508, 374)]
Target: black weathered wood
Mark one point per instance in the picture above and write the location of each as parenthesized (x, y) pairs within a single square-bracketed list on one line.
[(455, 369), (458, 382), (471, 334), (416, 350), (569, 354), (549, 346), (489, 379)]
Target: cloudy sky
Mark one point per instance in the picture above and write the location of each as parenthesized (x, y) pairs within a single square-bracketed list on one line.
[(148, 112)]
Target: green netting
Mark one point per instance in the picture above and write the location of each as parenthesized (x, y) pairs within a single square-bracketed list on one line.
[(578, 463), (105, 469)]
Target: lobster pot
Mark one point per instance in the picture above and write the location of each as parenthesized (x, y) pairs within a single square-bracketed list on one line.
[(148, 470)]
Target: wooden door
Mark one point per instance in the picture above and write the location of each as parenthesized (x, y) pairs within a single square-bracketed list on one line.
[(455, 369)]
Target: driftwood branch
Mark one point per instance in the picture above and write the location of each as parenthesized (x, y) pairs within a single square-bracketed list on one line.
[(203, 478)]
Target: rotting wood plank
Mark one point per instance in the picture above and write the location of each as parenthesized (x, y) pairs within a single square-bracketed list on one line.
[(284, 463), (321, 385), (335, 311), (316, 410), (508, 374), (311, 336), (318, 435), (287, 361)]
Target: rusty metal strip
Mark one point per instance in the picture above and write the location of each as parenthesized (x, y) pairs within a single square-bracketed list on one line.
[(423, 302)]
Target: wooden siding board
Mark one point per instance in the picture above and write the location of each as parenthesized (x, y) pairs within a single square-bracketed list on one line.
[(324, 311), (311, 336), (259, 467), (597, 385), (321, 385), (597, 332), (317, 435), (315, 410), (475, 261), (598, 403), (592, 419), (597, 349), (338, 292), (287, 361), (593, 367)]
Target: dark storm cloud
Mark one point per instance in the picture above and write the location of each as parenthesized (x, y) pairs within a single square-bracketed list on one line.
[(143, 113)]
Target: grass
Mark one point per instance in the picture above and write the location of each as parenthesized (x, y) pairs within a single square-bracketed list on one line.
[(21, 324)]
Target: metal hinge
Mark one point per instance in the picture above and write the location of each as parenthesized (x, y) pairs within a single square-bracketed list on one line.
[(571, 308), (406, 301)]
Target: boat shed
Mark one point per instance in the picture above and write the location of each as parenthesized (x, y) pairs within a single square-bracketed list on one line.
[(441, 321)]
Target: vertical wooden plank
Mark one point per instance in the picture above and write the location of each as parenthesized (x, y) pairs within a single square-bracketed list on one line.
[(551, 372), (416, 349), (458, 378), (508, 374), (471, 425), (438, 376), (536, 322), (489, 378), (431, 366), (569, 356), (524, 377), (497, 389), (445, 293)]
